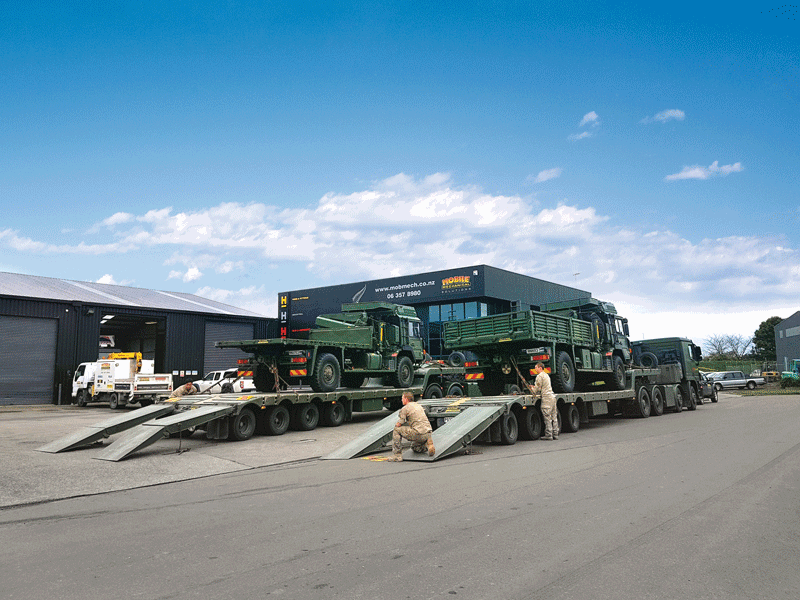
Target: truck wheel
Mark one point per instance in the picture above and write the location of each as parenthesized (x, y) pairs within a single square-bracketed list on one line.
[(353, 380), (751, 385), (641, 407), (145, 401), (242, 426), (434, 390), (262, 379), (114, 401), (305, 417), (564, 375), (657, 402), (326, 374), (404, 376), (274, 420), (531, 424), (570, 418), (80, 399), (456, 359), (227, 389), (679, 399), (618, 375), (512, 390), (509, 429), (648, 360), (692, 398), (455, 391), (333, 414)]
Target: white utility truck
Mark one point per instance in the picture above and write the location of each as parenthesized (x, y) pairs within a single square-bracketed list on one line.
[(120, 379)]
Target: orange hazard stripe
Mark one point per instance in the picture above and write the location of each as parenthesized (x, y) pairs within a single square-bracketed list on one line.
[(297, 373), (546, 370), (474, 376)]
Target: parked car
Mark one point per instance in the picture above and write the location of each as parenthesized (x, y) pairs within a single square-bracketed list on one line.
[(735, 379), (707, 388), (224, 382)]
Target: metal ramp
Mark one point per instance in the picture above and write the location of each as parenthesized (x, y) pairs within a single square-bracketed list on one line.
[(151, 431), (91, 434), (455, 435)]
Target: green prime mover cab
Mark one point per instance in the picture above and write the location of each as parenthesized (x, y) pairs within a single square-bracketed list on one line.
[(681, 351), (370, 339)]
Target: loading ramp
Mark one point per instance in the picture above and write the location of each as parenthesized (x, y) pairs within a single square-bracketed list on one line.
[(94, 433), (153, 430), (456, 434)]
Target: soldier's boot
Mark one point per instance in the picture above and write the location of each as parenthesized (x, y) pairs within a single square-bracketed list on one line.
[(395, 458), (431, 449), (418, 449), (548, 434)]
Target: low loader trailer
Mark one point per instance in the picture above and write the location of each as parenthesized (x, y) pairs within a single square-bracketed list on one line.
[(459, 422), (239, 416)]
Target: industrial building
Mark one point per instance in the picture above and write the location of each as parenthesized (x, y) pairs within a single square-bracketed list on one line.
[(787, 341), (438, 296), (49, 326)]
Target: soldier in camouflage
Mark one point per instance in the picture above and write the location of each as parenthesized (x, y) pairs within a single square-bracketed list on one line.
[(412, 425), (542, 389)]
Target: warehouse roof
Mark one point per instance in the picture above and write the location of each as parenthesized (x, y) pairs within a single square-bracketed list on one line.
[(48, 288)]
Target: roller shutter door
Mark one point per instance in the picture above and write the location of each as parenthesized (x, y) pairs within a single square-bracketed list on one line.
[(224, 358), (27, 360)]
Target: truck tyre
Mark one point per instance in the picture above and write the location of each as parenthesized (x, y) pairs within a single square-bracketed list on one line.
[(227, 388), (456, 359), (648, 360), (618, 373), (692, 395), (455, 391), (114, 401), (434, 390), (274, 420), (512, 390), (641, 406), (353, 380), (305, 417), (326, 374), (751, 385), (262, 379), (404, 376), (657, 402), (531, 424), (242, 426), (81, 398), (564, 374), (145, 401), (679, 399), (509, 429), (333, 414), (570, 418)]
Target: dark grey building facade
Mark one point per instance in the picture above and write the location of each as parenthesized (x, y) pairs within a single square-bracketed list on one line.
[(49, 326), (787, 341), (438, 296)]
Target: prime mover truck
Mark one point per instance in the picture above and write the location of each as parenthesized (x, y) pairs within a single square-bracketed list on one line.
[(370, 339)]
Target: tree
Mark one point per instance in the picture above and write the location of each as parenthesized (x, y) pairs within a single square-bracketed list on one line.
[(738, 345), (764, 339), (716, 346)]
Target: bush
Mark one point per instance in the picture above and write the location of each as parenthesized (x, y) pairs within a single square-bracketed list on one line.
[(788, 382)]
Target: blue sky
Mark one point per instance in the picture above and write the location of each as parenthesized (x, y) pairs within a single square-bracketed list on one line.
[(239, 149)]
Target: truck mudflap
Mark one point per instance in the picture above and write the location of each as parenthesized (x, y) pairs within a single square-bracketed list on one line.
[(151, 431), (455, 435), (93, 433)]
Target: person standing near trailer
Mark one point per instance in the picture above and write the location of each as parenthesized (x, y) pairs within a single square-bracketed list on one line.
[(542, 389)]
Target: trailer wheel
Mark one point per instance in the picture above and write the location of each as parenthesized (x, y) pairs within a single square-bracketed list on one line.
[(532, 424), (641, 407), (333, 414), (618, 376), (657, 402), (692, 398), (80, 399), (570, 418), (353, 380), (114, 401), (434, 390), (679, 399), (564, 374), (404, 375), (274, 420), (242, 426), (326, 374), (305, 416), (509, 429)]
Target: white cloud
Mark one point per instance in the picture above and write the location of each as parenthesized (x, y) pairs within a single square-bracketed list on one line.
[(192, 275), (666, 115), (580, 136), (107, 279), (698, 172), (547, 174), (590, 117)]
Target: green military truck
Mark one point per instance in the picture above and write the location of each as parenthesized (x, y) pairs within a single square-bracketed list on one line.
[(649, 354), (581, 343), (370, 339)]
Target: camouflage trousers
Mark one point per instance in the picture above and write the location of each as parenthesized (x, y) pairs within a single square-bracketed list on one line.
[(418, 440), (550, 417)]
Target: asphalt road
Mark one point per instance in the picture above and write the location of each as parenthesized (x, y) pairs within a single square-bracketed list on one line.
[(703, 504)]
